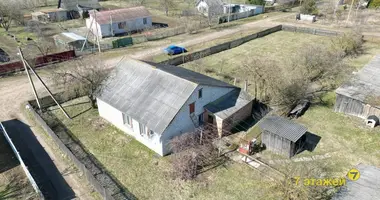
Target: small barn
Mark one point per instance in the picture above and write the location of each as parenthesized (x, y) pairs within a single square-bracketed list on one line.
[(282, 136), (69, 41), (360, 96), (120, 21), (50, 15)]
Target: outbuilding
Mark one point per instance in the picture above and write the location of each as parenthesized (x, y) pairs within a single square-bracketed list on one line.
[(282, 136), (120, 21), (69, 41), (360, 96)]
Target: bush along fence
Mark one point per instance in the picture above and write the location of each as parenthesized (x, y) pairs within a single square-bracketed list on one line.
[(178, 60), (92, 170), (24, 167), (40, 61)]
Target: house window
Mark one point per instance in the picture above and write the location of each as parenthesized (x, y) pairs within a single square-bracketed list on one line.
[(142, 129), (200, 93), (150, 133), (210, 119), (127, 120), (145, 20), (192, 107), (121, 25)]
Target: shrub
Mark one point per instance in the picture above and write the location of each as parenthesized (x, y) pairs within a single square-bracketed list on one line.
[(374, 4), (349, 43), (308, 7)]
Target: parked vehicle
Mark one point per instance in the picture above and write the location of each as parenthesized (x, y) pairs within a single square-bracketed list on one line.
[(174, 50), (299, 109)]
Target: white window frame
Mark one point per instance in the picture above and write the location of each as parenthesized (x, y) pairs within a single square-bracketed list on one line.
[(127, 120)]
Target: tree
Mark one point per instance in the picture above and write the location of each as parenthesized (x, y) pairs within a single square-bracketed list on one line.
[(9, 12), (194, 151), (166, 5), (86, 78), (308, 7)]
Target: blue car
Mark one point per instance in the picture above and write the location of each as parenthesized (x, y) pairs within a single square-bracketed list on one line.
[(174, 50)]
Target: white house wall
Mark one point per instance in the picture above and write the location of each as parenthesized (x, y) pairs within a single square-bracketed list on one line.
[(182, 122), (115, 117), (104, 30)]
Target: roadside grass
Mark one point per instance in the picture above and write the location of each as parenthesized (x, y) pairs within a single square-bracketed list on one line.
[(147, 175)]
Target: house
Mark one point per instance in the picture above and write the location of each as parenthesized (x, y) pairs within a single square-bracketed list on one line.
[(52, 15), (282, 136), (243, 8), (69, 41), (81, 7), (120, 21), (367, 187), (155, 102), (210, 8), (360, 96)]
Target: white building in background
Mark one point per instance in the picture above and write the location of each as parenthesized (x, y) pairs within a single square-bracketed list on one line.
[(120, 21), (154, 103)]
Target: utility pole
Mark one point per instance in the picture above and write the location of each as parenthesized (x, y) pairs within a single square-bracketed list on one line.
[(88, 32), (46, 88), (349, 12), (97, 32), (111, 25), (30, 79), (229, 11)]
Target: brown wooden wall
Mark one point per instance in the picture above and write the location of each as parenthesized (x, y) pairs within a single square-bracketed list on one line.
[(278, 144), (354, 107)]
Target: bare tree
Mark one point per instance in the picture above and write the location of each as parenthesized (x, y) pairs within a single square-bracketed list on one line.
[(86, 78), (167, 5), (9, 12), (194, 151)]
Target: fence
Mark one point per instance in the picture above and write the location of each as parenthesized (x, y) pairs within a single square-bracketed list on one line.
[(307, 30), (40, 61), (236, 16), (219, 48), (95, 175), (123, 42), (14, 149)]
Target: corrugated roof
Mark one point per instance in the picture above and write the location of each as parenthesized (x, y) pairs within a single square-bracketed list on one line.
[(283, 127), (121, 15), (364, 83), (152, 94), (367, 187), (68, 37), (229, 103), (73, 4)]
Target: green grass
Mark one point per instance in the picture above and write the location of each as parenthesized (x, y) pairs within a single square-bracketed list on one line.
[(147, 175), (279, 46)]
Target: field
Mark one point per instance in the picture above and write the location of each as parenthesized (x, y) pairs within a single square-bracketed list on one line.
[(279, 47), (146, 174)]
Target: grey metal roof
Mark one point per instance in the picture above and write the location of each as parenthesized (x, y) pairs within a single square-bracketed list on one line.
[(283, 127), (364, 83), (229, 104), (152, 94), (73, 4), (367, 187)]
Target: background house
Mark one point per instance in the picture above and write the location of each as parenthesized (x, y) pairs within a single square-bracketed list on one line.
[(78, 8), (120, 21), (210, 7), (155, 103), (360, 96), (282, 136)]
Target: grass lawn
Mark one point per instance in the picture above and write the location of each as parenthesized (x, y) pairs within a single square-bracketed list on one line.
[(146, 174), (279, 46)]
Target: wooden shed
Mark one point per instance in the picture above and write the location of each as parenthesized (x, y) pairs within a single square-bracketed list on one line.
[(358, 96), (281, 135)]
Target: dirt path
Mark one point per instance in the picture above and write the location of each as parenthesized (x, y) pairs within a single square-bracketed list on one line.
[(15, 91)]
